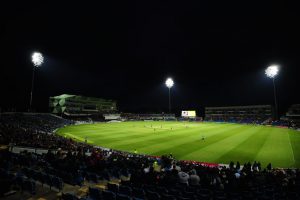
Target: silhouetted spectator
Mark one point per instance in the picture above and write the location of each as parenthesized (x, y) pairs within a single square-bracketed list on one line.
[(194, 178), (269, 166)]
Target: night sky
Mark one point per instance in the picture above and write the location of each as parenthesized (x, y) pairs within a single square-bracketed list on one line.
[(215, 52)]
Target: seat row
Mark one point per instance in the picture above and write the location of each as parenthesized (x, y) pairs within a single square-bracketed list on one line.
[(44, 178)]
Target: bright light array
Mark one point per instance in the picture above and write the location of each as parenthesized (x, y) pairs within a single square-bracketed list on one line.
[(37, 59), (169, 83), (272, 71)]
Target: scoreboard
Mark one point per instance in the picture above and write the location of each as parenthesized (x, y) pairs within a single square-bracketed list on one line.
[(188, 113)]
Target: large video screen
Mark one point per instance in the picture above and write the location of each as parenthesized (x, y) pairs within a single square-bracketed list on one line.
[(188, 113)]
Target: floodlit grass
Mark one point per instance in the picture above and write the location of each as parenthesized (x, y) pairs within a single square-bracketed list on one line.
[(223, 142)]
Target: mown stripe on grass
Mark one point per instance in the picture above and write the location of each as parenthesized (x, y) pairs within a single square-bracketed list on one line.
[(185, 145), (294, 137), (248, 149), (150, 138), (276, 149), (156, 137), (212, 152), (106, 134)]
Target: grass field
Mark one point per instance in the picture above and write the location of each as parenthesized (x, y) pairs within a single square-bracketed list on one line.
[(223, 142)]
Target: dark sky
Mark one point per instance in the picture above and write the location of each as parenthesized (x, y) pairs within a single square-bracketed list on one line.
[(215, 52)]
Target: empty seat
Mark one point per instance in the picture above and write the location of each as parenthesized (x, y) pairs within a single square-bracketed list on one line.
[(152, 195), (161, 190), (175, 192), (95, 193), (167, 197), (190, 195), (69, 196), (112, 187), (57, 183), (138, 193), (47, 179), (122, 197), (108, 195), (19, 181), (184, 198), (125, 190), (29, 185)]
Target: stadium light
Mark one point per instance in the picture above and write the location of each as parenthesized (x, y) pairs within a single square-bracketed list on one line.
[(37, 59), (169, 84), (271, 72)]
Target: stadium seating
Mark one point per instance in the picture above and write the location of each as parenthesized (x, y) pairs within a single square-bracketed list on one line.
[(293, 115), (24, 170), (255, 114)]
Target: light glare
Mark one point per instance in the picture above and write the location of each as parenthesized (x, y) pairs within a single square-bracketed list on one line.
[(37, 59), (272, 71), (169, 83)]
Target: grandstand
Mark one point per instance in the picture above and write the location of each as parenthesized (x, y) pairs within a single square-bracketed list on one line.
[(293, 115), (73, 105), (244, 114)]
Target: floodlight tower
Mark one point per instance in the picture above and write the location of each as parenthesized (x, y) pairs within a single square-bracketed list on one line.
[(169, 84), (272, 72), (37, 60)]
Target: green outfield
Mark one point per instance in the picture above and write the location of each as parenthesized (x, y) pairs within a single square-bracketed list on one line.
[(223, 142)]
